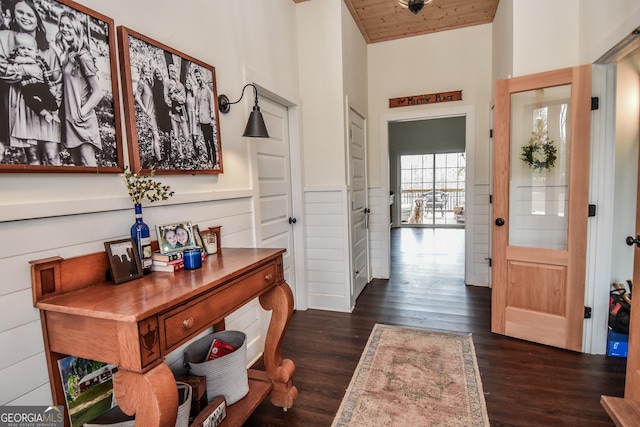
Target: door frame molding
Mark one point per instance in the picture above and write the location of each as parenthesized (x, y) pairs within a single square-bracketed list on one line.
[(469, 112), (601, 190)]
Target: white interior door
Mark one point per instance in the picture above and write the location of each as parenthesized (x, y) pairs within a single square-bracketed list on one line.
[(359, 210), (276, 220)]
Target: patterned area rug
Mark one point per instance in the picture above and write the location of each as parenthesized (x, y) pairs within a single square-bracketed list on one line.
[(410, 377)]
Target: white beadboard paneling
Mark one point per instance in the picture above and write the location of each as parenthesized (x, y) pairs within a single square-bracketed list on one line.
[(481, 237), (175, 359), (23, 377), (15, 279), (69, 236), (324, 276), (248, 320), (20, 343), (328, 289), (17, 309), (326, 254), (378, 224), (327, 208), (323, 196), (319, 231), (322, 265), (327, 249), (325, 220), (38, 396), (325, 242), (333, 302)]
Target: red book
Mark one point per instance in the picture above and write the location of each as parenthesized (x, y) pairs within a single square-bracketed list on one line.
[(172, 262), (167, 268), (218, 349)]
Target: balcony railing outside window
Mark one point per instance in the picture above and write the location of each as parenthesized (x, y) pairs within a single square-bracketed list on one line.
[(437, 179)]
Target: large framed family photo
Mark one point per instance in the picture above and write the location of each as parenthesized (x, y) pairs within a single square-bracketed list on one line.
[(171, 108), (59, 106)]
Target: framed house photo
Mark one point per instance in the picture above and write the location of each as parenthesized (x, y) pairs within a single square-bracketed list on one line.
[(175, 237), (171, 108), (59, 107), (124, 260)]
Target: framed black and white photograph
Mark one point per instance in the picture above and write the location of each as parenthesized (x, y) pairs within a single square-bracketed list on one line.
[(175, 237), (124, 260), (171, 108), (59, 107)]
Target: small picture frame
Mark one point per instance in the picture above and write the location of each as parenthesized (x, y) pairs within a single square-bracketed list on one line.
[(175, 237), (197, 235), (124, 260)]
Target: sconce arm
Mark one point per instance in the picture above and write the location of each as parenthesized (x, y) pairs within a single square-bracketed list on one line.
[(224, 105)]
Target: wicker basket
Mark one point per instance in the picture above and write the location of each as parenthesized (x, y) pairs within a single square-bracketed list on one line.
[(114, 417), (226, 375)]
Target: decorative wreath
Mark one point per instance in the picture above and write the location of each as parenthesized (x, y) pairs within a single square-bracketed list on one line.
[(540, 153)]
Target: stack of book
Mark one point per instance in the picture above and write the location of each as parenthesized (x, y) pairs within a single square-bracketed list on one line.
[(172, 261), (167, 262)]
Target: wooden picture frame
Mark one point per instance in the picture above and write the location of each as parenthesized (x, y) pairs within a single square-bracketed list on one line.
[(175, 237), (171, 108), (197, 236), (124, 260), (49, 130)]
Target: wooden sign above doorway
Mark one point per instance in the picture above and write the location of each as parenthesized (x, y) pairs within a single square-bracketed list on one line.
[(432, 98)]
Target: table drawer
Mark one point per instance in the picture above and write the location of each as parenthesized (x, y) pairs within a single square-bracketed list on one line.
[(179, 325)]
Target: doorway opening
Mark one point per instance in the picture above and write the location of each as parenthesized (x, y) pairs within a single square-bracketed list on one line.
[(432, 189), (439, 130)]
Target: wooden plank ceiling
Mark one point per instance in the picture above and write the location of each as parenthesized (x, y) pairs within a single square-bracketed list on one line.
[(382, 20)]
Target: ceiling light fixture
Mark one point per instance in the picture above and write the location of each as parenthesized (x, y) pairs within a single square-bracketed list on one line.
[(415, 6)]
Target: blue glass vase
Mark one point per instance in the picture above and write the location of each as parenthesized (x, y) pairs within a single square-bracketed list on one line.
[(140, 234)]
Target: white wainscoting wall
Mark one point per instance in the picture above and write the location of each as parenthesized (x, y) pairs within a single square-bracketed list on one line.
[(481, 237), (328, 249), (23, 369), (378, 224)]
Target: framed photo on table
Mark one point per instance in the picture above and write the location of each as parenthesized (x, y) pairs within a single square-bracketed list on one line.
[(70, 122), (176, 237), (124, 260), (171, 108)]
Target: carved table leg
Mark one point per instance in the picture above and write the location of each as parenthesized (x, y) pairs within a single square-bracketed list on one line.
[(152, 397), (280, 301)]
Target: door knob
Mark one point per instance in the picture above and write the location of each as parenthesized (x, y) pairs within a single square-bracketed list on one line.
[(292, 220), (630, 241), (500, 222)]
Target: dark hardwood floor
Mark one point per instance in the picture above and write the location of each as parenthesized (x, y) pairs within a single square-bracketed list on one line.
[(525, 384)]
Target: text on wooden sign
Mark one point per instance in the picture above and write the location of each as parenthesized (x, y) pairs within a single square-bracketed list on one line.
[(431, 98)]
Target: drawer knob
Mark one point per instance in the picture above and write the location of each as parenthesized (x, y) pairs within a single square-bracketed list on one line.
[(187, 323), (268, 277)]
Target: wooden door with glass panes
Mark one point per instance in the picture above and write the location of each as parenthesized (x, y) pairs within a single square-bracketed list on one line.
[(540, 206)]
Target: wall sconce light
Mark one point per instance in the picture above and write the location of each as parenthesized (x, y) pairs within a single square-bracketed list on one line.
[(255, 126)]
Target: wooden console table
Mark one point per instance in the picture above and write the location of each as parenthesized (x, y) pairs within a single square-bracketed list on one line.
[(136, 324)]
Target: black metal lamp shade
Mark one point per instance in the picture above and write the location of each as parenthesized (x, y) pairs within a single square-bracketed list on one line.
[(256, 127)]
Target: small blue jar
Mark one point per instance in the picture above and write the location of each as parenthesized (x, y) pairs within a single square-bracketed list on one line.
[(192, 259)]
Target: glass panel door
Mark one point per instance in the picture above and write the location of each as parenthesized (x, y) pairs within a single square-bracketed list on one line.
[(539, 168)]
